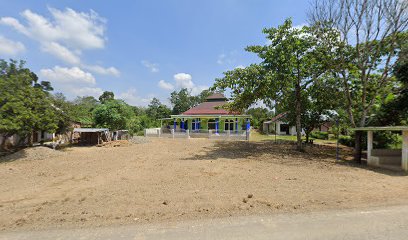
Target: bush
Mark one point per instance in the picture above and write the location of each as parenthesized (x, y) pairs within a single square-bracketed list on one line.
[(320, 135), (346, 140)]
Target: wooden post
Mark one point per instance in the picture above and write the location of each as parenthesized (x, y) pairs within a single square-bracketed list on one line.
[(404, 159), (369, 145), (172, 133)]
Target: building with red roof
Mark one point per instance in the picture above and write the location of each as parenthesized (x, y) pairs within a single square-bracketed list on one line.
[(210, 115)]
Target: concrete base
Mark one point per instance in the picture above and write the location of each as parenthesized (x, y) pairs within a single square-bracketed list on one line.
[(385, 158)]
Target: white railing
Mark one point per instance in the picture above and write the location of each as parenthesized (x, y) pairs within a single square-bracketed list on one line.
[(211, 134)]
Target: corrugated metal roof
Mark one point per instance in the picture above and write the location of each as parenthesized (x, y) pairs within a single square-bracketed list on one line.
[(90, 129), (209, 108), (219, 96), (387, 128)]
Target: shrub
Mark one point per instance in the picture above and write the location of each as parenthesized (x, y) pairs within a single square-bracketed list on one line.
[(320, 135), (346, 140)]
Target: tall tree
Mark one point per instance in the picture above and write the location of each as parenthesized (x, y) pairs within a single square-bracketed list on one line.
[(25, 104), (83, 110), (291, 62), (156, 110), (114, 114), (370, 33), (106, 96), (182, 100)]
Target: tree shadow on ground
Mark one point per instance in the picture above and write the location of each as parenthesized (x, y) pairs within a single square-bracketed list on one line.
[(285, 153), (12, 155)]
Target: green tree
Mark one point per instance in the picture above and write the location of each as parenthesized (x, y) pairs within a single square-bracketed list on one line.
[(106, 96), (181, 101), (259, 114), (156, 110), (113, 114), (82, 110), (25, 104), (289, 65), (370, 38)]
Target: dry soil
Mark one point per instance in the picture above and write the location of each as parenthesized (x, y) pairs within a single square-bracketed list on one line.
[(165, 180)]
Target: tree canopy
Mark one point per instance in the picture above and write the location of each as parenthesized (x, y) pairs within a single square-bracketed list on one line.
[(290, 64), (25, 105)]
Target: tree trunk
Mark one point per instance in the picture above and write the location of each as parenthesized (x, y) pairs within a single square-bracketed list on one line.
[(30, 139), (357, 146), (298, 117), (307, 137), (3, 144)]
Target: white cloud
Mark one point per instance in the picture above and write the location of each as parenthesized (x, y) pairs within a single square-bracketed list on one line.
[(185, 80), (65, 35), (165, 85), (131, 97), (10, 47), (61, 52), (240, 67), (102, 71), (87, 91), (153, 67), (71, 81), (221, 59), (78, 30), (64, 75), (227, 58)]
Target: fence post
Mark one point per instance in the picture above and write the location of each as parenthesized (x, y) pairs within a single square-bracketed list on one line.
[(188, 133), (145, 132), (209, 133), (228, 133), (247, 134)]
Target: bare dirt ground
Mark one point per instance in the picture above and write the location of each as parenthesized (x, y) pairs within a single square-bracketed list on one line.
[(167, 180)]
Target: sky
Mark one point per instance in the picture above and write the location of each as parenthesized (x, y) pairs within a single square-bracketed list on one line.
[(138, 49)]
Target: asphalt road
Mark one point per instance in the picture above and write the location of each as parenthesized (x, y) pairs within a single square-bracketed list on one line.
[(374, 223)]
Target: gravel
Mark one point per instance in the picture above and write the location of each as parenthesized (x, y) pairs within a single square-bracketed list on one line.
[(33, 153), (139, 140)]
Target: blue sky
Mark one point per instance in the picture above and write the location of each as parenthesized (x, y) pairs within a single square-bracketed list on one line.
[(137, 49)]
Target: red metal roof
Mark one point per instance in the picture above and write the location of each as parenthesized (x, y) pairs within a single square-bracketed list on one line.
[(208, 108), (279, 116), (217, 96)]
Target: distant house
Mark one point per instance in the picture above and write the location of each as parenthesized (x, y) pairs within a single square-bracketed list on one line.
[(38, 137), (280, 124), (210, 115)]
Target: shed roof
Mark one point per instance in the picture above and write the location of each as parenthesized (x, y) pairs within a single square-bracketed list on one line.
[(385, 128), (90, 129)]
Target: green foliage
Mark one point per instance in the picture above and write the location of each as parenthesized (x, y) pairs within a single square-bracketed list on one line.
[(346, 140), (82, 110), (106, 96), (259, 115), (290, 64), (320, 135), (25, 104), (183, 100), (113, 114), (156, 110)]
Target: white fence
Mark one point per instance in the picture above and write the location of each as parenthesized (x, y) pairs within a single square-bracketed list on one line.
[(211, 134)]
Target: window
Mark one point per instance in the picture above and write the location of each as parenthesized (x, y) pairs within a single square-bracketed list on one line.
[(211, 124), (229, 125)]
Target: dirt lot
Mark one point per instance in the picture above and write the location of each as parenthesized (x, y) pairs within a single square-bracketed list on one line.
[(169, 180)]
